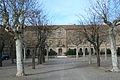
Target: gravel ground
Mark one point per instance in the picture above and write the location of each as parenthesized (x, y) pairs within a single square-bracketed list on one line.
[(61, 69)]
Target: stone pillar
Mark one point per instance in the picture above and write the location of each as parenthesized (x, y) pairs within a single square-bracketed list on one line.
[(77, 50), (47, 56), (83, 50), (90, 57), (24, 53), (105, 52), (93, 51), (100, 52)]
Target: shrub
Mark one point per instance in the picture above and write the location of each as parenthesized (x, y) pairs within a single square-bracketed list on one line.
[(71, 52), (108, 51), (102, 52), (52, 53)]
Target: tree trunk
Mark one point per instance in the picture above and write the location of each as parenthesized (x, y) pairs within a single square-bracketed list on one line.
[(39, 55), (90, 59), (0, 58), (33, 59), (38, 58), (113, 51), (11, 53), (98, 59), (1, 49), (44, 55), (97, 55), (43, 58), (19, 58)]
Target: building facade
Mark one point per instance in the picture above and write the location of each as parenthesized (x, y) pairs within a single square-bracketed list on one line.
[(64, 37)]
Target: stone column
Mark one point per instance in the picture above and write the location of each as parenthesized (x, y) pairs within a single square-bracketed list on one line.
[(77, 50), (105, 52), (47, 56), (24, 53), (93, 51), (83, 50), (90, 57)]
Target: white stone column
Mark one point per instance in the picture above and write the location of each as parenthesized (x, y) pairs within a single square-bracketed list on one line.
[(93, 51), (83, 50), (100, 52), (24, 53), (90, 57), (105, 52), (47, 56), (77, 50)]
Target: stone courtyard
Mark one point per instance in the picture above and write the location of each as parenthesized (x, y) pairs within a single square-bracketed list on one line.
[(61, 69)]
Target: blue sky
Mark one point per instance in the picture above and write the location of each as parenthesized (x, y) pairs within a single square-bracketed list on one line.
[(65, 12)]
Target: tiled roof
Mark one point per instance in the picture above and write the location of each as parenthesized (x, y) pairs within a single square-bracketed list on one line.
[(64, 26)]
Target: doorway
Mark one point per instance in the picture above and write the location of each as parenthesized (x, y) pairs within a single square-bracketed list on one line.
[(59, 51)]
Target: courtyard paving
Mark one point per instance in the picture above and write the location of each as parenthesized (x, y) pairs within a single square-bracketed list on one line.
[(61, 69)]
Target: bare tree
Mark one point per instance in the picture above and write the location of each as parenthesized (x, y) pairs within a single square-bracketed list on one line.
[(14, 14), (43, 33), (39, 21), (1, 45), (31, 42), (109, 12), (94, 33)]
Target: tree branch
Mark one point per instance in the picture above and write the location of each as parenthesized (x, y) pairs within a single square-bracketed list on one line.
[(116, 22), (106, 21)]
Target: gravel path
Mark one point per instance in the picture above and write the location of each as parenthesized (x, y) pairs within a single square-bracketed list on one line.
[(61, 69)]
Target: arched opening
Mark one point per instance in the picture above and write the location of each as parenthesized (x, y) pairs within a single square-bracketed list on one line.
[(118, 51), (92, 51), (59, 51), (80, 51), (86, 51), (28, 53), (108, 51)]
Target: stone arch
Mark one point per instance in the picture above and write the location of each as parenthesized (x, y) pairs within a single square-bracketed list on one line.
[(108, 51), (86, 51), (92, 51), (80, 51), (28, 52), (118, 50), (60, 51)]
